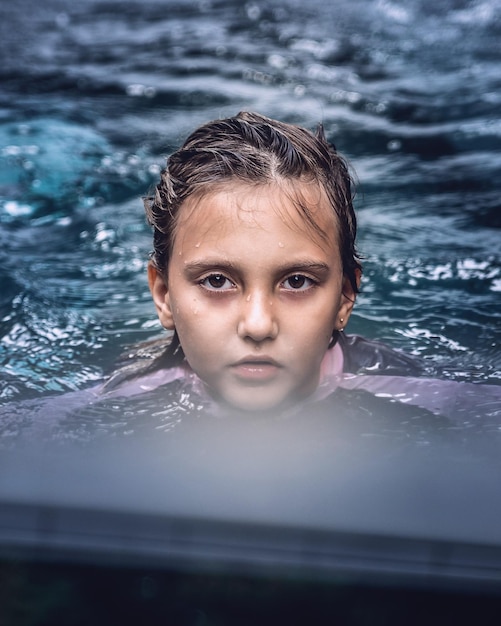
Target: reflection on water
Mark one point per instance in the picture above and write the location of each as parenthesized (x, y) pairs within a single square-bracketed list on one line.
[(95, 94)]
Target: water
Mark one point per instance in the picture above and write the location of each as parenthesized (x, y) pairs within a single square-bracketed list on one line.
[(95, 94)]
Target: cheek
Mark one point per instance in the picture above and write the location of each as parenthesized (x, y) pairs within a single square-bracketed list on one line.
[(200, 331), (320, 334), (185, 308), (308, 338), (323, 318)]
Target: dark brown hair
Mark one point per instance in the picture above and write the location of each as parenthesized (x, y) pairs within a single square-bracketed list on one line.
[(253, 149)]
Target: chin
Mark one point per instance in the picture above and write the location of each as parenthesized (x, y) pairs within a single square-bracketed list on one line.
[(256, 404)]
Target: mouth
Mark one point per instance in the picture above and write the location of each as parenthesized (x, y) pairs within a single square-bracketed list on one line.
[(260, 369)]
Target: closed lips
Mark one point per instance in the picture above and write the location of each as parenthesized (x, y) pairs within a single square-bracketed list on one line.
[(259, 370)]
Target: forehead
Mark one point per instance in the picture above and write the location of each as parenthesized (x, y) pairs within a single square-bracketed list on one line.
[(302, 208)]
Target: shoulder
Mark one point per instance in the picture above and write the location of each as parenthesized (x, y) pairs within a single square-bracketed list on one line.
[(142, 382), (143, 367), (373, 357)]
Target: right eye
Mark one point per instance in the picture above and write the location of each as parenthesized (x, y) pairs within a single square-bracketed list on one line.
[(216, 282)]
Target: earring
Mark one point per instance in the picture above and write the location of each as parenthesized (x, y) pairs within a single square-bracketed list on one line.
[(341, 319)]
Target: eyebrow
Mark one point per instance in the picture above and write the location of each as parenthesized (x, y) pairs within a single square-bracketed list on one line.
[(298, 265)]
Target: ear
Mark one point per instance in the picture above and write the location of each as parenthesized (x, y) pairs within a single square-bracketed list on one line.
[(160, 295), (348, 297)]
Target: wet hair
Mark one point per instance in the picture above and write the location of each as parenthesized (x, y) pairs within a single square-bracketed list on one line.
[(252, 149)]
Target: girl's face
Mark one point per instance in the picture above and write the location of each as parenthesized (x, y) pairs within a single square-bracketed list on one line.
[(253, 293)]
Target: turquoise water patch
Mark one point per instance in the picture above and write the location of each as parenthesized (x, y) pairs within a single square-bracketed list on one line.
[(47, 166)]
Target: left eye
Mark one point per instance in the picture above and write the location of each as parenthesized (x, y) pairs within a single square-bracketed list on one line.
[(216, 282), (298, 282)]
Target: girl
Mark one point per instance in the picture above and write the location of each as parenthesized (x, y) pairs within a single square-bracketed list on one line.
[(255, 272), (254, 268)]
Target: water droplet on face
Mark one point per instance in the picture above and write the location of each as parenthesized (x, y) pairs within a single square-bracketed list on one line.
[(197, 245), (280, 244), (248, 298)]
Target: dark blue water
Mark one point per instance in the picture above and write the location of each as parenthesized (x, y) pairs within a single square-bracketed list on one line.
[(94, 94)]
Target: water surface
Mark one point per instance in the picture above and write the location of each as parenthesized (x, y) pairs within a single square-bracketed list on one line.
[(95, 94)]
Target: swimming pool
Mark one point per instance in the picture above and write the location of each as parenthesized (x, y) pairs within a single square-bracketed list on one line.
[(95, 95)]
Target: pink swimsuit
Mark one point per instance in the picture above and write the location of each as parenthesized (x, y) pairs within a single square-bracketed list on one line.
[(441, 397)]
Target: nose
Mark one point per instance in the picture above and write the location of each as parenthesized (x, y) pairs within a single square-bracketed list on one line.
[(257, 320)]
